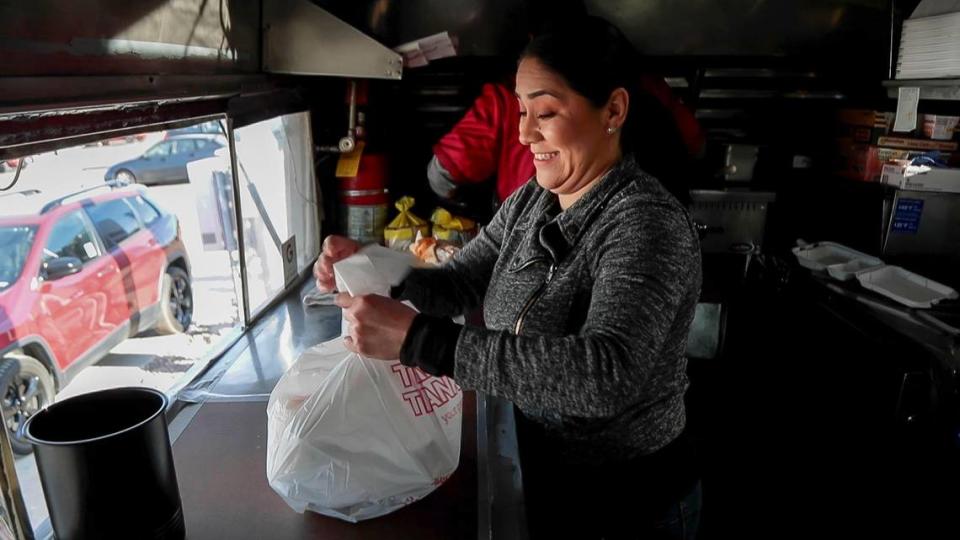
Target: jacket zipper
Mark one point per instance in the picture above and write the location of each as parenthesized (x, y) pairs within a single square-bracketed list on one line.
[(533, 298), (527, 264)]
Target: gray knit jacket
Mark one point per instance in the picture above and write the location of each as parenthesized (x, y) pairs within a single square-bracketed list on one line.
[(587, 312)]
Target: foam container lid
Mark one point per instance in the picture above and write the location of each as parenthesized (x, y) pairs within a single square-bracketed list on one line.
[(822, 255), (904, 286)]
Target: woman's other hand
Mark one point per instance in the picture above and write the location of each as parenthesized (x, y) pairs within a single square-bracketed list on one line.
[(335, 249), (378, 325)]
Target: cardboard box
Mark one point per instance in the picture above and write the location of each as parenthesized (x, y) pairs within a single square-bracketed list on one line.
[(866, 118), (864, 125), (893, 174), (864, 162), (921, 178), (917, 144), (939, 127)]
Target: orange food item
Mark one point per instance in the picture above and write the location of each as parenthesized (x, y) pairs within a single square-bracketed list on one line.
[(424, 249)]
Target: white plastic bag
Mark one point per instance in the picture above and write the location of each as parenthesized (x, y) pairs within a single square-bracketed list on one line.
[(355, 438)]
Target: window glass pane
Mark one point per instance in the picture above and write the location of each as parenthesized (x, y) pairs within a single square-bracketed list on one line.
[(160, 150), (278, 201), (211, 127), (153, 311), (184, 146), (115, 221), (148, 214), (70, 237), (15, 244)]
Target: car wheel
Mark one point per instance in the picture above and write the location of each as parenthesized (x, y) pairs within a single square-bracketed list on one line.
[(125, 177), (25, 394), (176, 302)]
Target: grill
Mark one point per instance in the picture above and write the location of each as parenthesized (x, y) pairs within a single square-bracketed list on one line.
[(730, 221)]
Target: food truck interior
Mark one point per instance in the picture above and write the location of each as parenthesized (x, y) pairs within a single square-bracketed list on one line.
[(251, 130)]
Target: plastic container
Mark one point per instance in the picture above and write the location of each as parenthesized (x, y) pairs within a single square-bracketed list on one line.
[(106, 466), (838, 260), (904, 286), (849, 270)]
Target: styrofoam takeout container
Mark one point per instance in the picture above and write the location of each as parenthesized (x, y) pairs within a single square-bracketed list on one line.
[(904, 286), (838, 260), (849, 270)]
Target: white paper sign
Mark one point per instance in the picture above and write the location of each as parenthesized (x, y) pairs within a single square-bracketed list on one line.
[(420, 52), (437, 46), (412, 55), (907, 109)]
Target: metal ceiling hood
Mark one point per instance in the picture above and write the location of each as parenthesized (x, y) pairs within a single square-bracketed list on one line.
[(300, 38)]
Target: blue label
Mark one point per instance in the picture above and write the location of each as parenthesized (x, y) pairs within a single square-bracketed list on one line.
[(906, 216)]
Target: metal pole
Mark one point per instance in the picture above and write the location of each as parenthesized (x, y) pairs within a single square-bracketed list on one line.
[(235, 173), (13, 516)]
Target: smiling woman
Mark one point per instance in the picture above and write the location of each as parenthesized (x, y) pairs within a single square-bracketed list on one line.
[(588, 278), (583, 81), (573, 142)]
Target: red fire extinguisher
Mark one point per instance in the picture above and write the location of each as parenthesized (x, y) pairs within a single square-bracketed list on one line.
[(364, 200), (362, 177)]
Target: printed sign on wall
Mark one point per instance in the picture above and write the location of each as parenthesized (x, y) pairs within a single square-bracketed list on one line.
[(906, 216), (289, 252)]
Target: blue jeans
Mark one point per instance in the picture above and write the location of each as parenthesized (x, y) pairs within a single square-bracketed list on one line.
[(685, 521)]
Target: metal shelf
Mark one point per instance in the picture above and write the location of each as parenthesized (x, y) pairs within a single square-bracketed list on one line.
[(937, 89)]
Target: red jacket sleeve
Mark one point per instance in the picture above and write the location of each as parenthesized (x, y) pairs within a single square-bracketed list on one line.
[(470, 151)]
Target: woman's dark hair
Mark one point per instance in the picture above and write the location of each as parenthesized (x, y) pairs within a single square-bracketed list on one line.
[(595, 58)]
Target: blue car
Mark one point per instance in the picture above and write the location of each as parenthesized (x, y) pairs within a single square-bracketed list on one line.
[(166, 161)]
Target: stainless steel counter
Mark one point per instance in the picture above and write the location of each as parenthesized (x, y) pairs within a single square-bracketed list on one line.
[(219, 436), (919, 325)]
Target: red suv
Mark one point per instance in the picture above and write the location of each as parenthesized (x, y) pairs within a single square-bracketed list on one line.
[(78, 275), (10, 164)]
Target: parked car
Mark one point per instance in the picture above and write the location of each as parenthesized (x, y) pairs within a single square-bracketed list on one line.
[(78, 275), (166, 161), (11, 164), (136, 137)]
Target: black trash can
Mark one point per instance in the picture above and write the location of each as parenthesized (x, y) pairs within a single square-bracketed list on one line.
[(106, 466)]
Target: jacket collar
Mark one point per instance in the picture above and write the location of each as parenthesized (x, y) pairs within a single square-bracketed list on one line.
[(577, 218), (551, 233)]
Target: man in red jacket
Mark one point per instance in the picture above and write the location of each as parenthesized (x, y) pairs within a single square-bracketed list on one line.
[(485, 142)]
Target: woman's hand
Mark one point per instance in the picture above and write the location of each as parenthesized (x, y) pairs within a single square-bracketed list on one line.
[(335, 249), (378, 325)]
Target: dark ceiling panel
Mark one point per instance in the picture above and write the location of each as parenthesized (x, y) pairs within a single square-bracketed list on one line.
[(850, 33), (483, 27), (855, 31)]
